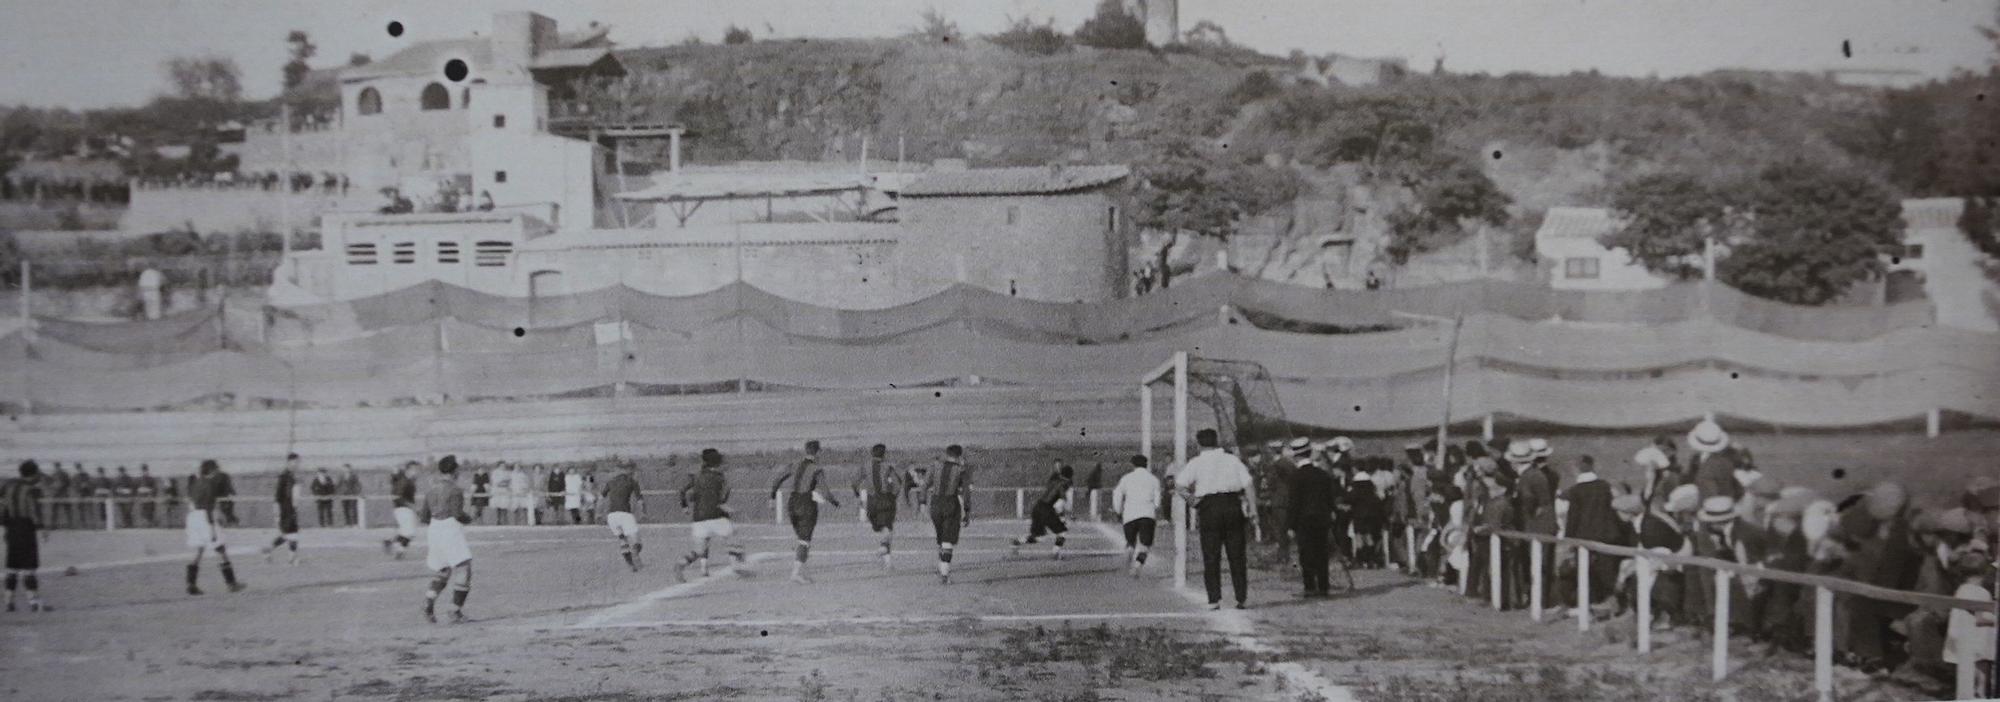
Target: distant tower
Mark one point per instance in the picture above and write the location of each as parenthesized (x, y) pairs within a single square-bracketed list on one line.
[(1162, 19)]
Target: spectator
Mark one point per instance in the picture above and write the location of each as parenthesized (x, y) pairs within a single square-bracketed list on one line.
[(1725, 536), (1780, 606), (1535, 497), (552, 486), (1496, 514), (147, 490), (170, 500), (1591, 517), (1364, 513), (1970, 635), (324, 488), (350, 492), (1652, 530), (1658, 471), (1713, 468), (63, 512), (1092, 482)]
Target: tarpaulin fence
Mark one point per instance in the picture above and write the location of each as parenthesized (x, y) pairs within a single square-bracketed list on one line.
[(1561, 373)]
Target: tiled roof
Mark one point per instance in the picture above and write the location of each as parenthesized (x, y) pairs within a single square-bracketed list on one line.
[(427, 57), (1032, 180), (1933, 212), (569, 58), (1577, 223)]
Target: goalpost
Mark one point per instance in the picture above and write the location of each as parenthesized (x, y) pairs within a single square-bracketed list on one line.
[(1239, 399), (1177, 368)]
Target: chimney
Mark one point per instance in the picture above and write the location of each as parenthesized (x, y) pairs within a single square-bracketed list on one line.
[(519, 36)]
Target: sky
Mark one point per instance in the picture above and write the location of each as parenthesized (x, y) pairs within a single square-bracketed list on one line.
[(98, 53)]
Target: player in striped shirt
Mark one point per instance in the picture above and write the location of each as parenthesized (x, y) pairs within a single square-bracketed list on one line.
[(802, 507), (403, 489), (619, 494), (950, 500), (19, 499), (706, 496), (286, 497), (1047, 515), (877, 486), (204, 526), (443, 508)]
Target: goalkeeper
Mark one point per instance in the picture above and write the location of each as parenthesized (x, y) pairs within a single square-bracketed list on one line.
[(1050, 506)]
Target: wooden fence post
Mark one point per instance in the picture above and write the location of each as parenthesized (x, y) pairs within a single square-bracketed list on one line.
[(1535, 580), (110, 521), (778, 509), (1719, 657), (360, 512), (1823, 643), (1020, 503), (1410, 549), (1493, 566), (1582, 589), (1094, 514), (1645, 635)]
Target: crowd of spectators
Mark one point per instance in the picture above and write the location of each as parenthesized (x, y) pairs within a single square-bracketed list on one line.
[(1713, 503)]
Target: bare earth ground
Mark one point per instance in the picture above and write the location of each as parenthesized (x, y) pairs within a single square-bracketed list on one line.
[(556, 616)]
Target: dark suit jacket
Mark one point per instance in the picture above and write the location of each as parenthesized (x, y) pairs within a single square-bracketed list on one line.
[(1312, 495)]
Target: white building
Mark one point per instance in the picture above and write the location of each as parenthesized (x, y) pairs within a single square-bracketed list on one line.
[(1568, 241), (1954, 270)]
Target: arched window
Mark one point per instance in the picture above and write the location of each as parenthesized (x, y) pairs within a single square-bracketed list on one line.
[(369, 102), (435, 97)]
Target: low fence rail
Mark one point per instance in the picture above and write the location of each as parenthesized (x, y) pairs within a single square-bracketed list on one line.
[(1646, 563)]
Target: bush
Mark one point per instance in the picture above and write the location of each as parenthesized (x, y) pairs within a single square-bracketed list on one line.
[(1112, 28), (736, 35), (938, 29), (1026, 37), (1256, 85), (1977, 224)]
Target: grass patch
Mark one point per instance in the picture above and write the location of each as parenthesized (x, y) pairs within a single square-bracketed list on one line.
[(1145, 653), (424, 688)]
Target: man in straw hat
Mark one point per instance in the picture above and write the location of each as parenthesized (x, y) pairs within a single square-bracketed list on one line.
[(1722, 535), (1713, 467), (1535, 493), (1592, 517), (1311, 516), (1652, 531)]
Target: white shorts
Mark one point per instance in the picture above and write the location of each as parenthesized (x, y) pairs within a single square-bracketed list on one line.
[(523, 500), (446, 544), (718, 528), (201, 533), (406, 522), (572, 501), (623, 524)]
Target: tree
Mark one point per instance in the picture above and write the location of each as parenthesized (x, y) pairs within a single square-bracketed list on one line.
[(1112, 28), (1668, 218), (1025, 36), (736, 35), (938, 29), (302, 49), (1458, 194), (204, 78), (1207, 32), (1812, 234), (1976, 221), (1187, 191)]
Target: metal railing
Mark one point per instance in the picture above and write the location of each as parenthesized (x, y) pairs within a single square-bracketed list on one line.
[(1647, 561)]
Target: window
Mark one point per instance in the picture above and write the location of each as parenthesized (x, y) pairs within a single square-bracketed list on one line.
[(1580, 268), (1013, 215), (360, 254), (499, 176), (1111, 219), (369, 102), (435, 97), (447, 252), (404, 252), (491, 254), (499, 121)]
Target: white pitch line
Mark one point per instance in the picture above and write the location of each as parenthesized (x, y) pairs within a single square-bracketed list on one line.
[(665, 593), (935, 619), (1242, 631)]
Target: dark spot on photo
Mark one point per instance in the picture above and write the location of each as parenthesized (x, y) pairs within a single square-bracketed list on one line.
[(455, 70), (519, 332), (395, 28)]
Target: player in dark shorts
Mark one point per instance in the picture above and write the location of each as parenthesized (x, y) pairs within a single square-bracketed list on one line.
[(18, 500), (288, 510), (950, 500), (204, 524), (706, 497), (619, 494), (1136, 499), (1047, 515), (442, 506), (878, 487), (802, 505)]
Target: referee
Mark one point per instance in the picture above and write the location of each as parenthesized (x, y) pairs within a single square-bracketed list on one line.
[(1225, 503)]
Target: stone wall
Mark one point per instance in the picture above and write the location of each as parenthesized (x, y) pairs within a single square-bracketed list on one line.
[(1061, 248), (234, 209)]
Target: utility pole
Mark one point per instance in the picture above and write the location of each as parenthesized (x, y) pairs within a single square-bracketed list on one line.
[(285, 193)]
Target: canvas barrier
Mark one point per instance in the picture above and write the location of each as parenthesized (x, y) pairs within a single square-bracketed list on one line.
[(1194, 302), (1580, 375)]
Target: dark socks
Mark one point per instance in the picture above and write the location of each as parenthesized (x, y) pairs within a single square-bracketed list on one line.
[(294, 546), (802, 551), (403, 541), (228, 573), (10, 583), (1059, 541), (458, 598), (1142, 558), (192, 570), (29, 580), (944, 556)]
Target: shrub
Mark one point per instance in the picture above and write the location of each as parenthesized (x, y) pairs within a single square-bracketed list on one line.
[(1027, 37), (938, 29), (736, 35), (1112, 28), (1256, 85)]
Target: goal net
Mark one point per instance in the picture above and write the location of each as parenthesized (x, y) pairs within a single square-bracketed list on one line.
[(1189, 393)]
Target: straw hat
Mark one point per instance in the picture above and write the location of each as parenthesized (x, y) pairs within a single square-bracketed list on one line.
[(1540, 447), (1343, 444), (1884, 500), (1301, 446), (1708, 437), (1520, 454), (1953, 521), (1717, 510), (1362, 476), (1627, 505), (1683, 498)]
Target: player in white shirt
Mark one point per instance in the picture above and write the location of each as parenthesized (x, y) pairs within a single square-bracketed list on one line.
[(1137, 502), (1225, 500)]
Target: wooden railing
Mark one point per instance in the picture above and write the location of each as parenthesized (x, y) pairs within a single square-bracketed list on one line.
[(1646, 561)]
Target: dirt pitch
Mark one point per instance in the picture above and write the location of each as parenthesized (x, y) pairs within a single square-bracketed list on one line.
[(557, 617)]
